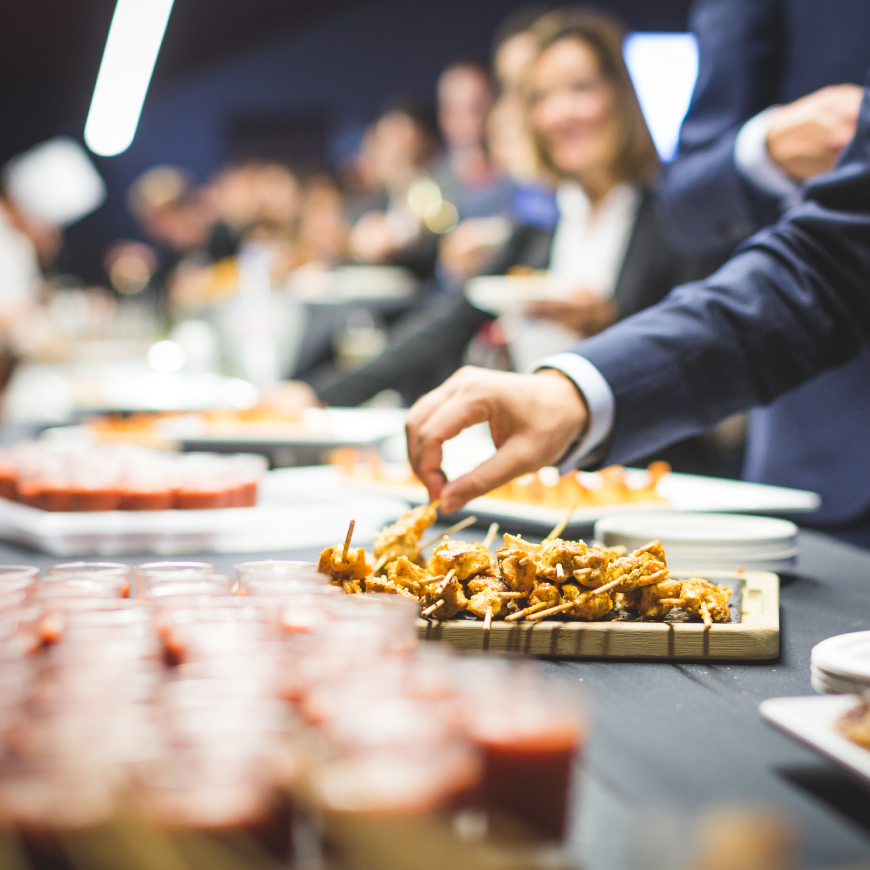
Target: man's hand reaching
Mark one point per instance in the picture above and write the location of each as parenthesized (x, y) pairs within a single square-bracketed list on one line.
[(806, 137), (533, 419)]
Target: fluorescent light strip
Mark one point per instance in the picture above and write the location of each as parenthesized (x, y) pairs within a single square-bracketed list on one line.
[(125, 72)]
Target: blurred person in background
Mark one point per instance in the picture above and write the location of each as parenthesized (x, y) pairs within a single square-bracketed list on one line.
[(202, 230), (776, 102), (388, 226), (465, 174), (175, 217), (322, 237), (45, 189), (523, 194), (591, 135)]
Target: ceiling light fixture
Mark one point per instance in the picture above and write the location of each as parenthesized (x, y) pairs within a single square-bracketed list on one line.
[(131, 50)]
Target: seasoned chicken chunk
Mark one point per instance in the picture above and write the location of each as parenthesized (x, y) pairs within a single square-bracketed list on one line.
[(650, 606), (344, 570), (403, 537), (463, 558), (407, 575), (655, 549), (517, 568), (449, 597), (694, 591), (485, 596), (586, 605), (388, 587), (628, 600), (545, 593), (636, 570), (562, 561)]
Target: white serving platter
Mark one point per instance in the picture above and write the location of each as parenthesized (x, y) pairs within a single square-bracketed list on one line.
[(319, 427), (684, 492), (294, 512), (811, 720)]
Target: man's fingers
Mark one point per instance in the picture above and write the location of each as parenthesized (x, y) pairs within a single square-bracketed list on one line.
[(456, 414), (512, 459)]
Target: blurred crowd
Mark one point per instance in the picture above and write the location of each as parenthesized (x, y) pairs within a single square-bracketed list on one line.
[(348, 285)]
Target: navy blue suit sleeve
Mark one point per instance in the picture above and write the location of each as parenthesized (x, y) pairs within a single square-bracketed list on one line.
[(706, 207), (794, 302)]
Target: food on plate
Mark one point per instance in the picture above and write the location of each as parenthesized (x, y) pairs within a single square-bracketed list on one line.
[(545, 488), (73, 477), (521, 580), (854, 724)]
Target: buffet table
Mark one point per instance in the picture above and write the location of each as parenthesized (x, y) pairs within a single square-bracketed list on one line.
[(669, 739)]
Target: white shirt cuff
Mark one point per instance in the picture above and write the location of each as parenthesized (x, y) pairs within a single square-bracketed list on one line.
[(599, 400), (755, 165)]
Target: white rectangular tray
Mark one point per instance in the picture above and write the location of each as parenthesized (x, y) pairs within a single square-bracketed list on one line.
[(684, 492), (811, 720), (294, 512), (320, 427)]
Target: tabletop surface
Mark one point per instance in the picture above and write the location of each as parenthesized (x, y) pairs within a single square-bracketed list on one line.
[(671, 738)]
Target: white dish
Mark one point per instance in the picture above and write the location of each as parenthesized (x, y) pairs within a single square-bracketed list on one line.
[(700, 532), (812, 721), (685, 492), (844, 655), (295, 511), (510, 294), (319, 427), (346, 283)]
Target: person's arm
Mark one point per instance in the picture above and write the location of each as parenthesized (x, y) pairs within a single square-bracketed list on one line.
[(793, 303), (740, 45)]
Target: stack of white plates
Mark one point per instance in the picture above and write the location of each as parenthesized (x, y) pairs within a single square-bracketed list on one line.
[(706, 542), (841, 665)]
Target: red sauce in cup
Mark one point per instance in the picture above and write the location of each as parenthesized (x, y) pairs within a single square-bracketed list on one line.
[(201, 499), (146, 500), (527, 774), (94, 498)]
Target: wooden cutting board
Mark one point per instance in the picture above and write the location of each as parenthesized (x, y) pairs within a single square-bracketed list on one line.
[(754, 638)]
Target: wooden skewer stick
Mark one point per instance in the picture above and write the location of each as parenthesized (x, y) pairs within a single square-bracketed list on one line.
[(433, 607), (660, 575), (545, 613), (443, 582), (672, 602), (523, 562), (487, 620), (560, 573), (582, 573), (432, 580), (350, 529), (457, 527), (446, 581), (490, 535), (655, 578), (507, 595), (380, 563), (521, 614), (705, 613), (561, 525)]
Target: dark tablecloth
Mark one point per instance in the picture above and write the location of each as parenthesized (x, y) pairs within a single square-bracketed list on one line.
[(670, 738)]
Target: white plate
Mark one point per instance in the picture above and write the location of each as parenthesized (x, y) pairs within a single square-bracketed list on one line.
[(811, 720), (295, 511), (700, 532), (685, 492), (826, 684), (510, 294), (319, 427), (845, 655)]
